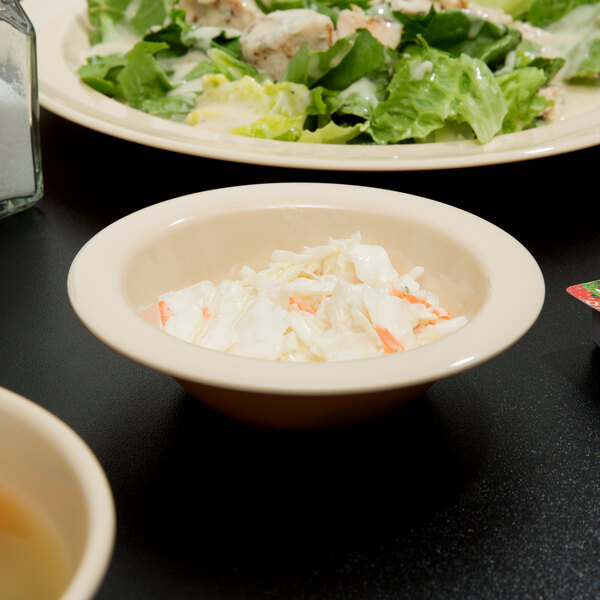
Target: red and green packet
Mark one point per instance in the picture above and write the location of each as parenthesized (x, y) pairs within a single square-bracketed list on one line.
[(589, 293)]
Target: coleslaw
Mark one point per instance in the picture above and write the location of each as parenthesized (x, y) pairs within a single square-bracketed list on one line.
[(340, 301)]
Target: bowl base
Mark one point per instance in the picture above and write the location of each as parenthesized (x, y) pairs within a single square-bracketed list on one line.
[(302, 412)]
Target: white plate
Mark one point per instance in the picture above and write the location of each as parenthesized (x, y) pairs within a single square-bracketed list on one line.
[(62, 44)]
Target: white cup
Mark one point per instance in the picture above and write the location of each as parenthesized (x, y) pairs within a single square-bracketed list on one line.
[(47, 465)]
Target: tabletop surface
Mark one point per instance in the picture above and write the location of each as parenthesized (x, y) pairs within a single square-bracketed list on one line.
[(487, 486)]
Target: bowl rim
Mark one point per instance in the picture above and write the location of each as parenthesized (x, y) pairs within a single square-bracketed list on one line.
[(94, 281), (99, 545)]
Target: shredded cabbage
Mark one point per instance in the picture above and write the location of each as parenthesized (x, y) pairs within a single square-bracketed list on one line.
[(340, 301)]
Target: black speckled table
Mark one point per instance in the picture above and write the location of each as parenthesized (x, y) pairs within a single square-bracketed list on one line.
[(488, 486)]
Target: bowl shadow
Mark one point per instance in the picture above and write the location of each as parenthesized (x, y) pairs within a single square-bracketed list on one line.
[(268, 504), (289, 412)]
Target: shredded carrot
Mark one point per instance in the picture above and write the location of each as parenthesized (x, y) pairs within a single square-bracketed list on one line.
[(442, 313), (301, 305), (206, 313), (417, 329), (410, 297), (164, 311), (390, 343)]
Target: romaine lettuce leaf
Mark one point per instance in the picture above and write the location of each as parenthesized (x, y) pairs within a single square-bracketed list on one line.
[(174, 33), (457, 32), (134, 77), (524, 104), (361, 98), (200, 37), (142, 77), (273, 127), (139, 17), (332, 134), (367, 56), (308, 66), (247, 100), (578, 33), (151, 13), (544, 12), (588, 69), (351, 108), (327, 7), (346, 61), (514, 8), (530, 53), (429, 89), (290, 129), (174, 108), (230, 66), (102, 73), (204, 67), (102, 17)]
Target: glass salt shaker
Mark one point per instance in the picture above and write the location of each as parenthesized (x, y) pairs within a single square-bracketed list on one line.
[(21, 184)]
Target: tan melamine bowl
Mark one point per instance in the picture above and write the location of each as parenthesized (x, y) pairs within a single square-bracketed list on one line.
[(477, 270), (46, 465)]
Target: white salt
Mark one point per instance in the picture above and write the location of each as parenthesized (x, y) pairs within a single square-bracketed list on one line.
[(17, 175)]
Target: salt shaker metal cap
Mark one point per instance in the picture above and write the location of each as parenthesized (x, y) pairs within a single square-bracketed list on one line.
[(21, 184)]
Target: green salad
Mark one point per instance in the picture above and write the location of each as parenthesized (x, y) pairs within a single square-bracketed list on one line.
[(336, 71)]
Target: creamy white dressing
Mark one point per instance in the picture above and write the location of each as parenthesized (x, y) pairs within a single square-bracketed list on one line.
[(193, 86), (179, 67), (419, 68), (222, 116), (365, 89), (569, 31), (225, 105), (567, 34), (119, 39), (203, 36), (340, 301), (132, 9), (475, 28)]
